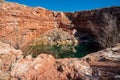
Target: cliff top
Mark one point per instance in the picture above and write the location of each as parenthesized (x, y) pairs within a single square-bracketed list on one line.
[(6, 5), (17, 5)]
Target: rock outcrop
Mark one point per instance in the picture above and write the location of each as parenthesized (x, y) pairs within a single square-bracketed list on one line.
[(93, 24), (82, 20), (56, 36), (105, 64), (20, 24), (102, 65), (8, 56)]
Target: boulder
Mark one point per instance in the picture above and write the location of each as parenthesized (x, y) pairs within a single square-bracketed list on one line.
[(101, 65)]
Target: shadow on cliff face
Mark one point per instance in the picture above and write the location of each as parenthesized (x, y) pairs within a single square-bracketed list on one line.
[(66, 50), (70, 49), (100, 26), (95, 30), (62, 44)]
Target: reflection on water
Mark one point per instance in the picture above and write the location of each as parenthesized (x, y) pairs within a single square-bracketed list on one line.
[(60, 51)]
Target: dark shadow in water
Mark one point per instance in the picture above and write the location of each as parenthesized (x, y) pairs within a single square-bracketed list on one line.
[(65, 51)]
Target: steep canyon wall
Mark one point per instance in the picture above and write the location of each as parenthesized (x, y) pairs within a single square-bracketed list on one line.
[(82, 19), (20, 24)]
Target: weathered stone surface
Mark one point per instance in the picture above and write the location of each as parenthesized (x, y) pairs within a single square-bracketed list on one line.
[(20, 24), (56, 36), (40, 68), (8, 56), (76, 69), (105, 63), (82, 19), (102, 65)]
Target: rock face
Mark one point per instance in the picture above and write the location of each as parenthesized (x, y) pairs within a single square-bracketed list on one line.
[(93, 24), (20, 24), (40, 68), (82, 20), (8, 56), (105, 64), (102, 65)]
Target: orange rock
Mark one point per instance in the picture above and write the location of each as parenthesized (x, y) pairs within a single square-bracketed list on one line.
[(20, 24)]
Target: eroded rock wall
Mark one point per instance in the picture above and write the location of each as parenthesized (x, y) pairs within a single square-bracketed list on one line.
[(102, 26), (82, 20), (20, 24)]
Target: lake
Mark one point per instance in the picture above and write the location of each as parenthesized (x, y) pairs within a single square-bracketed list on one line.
[(63, 51)]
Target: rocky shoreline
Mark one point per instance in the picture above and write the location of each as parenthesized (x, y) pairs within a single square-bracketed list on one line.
[(21, 26), (101, 65)]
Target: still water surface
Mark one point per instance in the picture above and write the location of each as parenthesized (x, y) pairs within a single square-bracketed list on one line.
[(63, 51)]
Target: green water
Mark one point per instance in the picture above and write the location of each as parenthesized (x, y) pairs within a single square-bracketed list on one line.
[(60, 51)]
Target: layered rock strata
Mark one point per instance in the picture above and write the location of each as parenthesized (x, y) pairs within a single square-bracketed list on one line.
[(20, 24), (82, 20)]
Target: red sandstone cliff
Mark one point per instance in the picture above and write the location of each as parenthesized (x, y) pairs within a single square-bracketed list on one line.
[(82, 19), (100, 25), (20, 24)]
